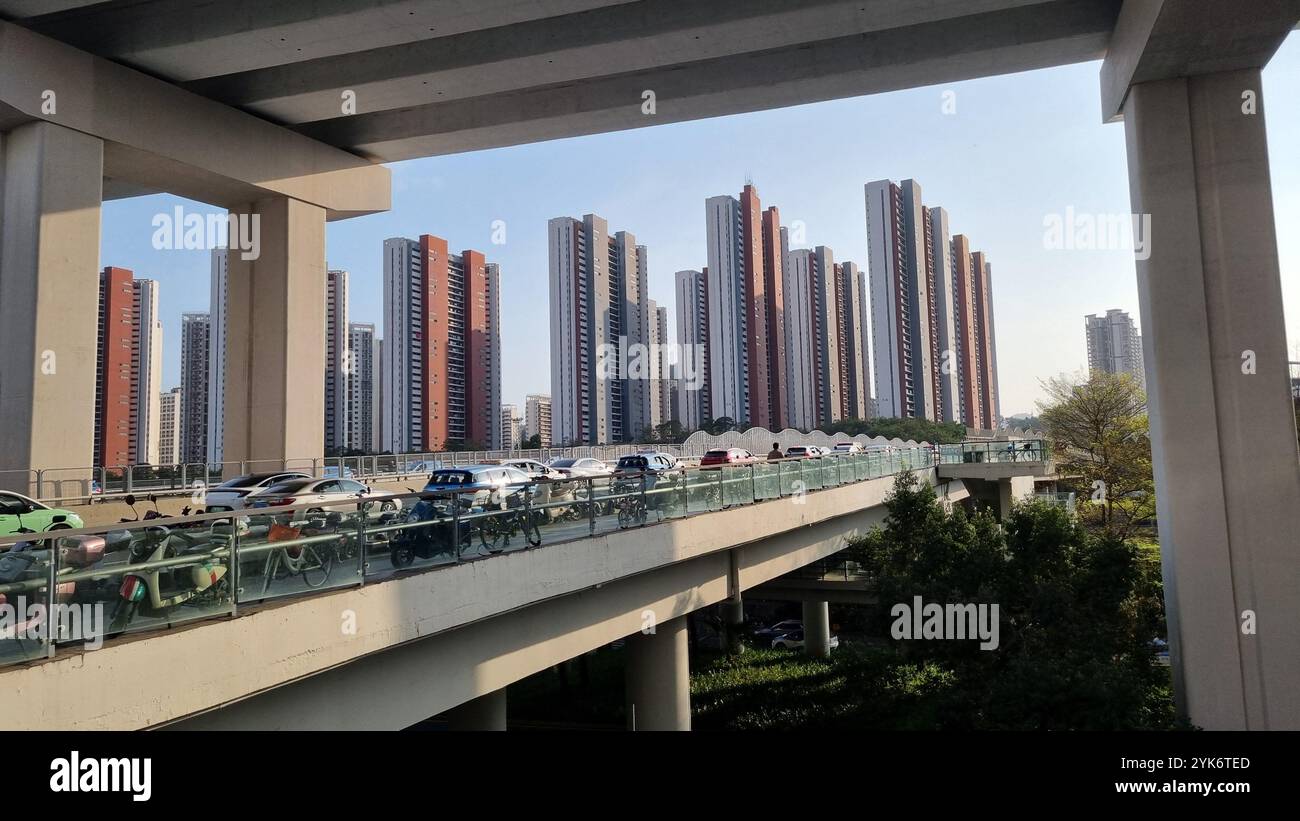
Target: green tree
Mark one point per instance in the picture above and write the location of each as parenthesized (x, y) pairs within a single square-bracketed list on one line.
[(1098, 430), (920, 430), (533, 442), (1077, 613)]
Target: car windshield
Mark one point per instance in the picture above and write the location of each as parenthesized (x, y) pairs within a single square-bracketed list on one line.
[(563, 463), (716, 453), (633, 463), (798, 450), (292, 486), (450, 477)]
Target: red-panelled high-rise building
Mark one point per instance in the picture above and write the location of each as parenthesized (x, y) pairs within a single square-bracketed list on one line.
[(774, 290), (986, 351), (750, 250), (441, 352), (113, 385), (971, 413)]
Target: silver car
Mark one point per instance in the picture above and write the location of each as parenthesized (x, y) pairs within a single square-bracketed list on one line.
[(585, 466), (480, 485), (323, 491), (239, 493)]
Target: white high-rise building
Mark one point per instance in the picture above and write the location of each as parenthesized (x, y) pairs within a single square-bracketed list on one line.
[(337, 361), (660, 406), (599, 309), (1114, 344), (901, 304), (215, 392), (728, 308), (692, 400), (169, 427), (945, 305), (537, 418), (511, 427), (146, 355), (363, 394)]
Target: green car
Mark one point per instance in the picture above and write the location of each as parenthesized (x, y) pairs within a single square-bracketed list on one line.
[(17, 512)]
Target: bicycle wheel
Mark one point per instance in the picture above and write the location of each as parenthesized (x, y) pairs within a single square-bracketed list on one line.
[(492, 534), (317, 563), (532, 527)]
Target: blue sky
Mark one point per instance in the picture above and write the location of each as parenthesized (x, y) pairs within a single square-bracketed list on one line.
[(1018, 147)]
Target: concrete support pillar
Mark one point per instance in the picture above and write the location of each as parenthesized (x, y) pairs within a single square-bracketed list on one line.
[(1222, 431), (817, 629), (657, 678), (275, 340), (51, 184), (1012, 490), (733, 618), (483, 713)]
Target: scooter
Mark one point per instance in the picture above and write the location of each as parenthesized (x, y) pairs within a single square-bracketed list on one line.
[(153, 592), (431, 540)]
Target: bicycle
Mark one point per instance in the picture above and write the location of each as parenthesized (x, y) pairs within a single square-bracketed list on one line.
[(496, 529), (630, 505)]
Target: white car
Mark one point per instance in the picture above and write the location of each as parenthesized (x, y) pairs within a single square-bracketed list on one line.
[(235, 494), (577, 468), (848, 447), (794, 641), (534, 468), (324, 491)]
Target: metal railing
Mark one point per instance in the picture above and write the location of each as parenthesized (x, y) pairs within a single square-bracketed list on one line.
[(1022, 450), (1062, 500), (63, 484), (149, 574)]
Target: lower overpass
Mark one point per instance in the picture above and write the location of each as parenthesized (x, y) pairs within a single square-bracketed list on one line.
[(386, 655)]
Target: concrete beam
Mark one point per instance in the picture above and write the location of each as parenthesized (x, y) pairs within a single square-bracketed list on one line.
[(1017, 38), (49, 295), (186, 41), (1162, 39), (610, 39), (179, 141)]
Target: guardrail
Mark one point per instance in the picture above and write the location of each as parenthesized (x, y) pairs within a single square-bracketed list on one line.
[(77, 586), (115, 481), (1023, 450)]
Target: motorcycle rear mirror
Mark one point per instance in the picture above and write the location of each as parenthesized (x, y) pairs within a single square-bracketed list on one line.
[(130, 500)]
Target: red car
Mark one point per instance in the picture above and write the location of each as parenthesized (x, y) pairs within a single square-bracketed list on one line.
[(730, 456)]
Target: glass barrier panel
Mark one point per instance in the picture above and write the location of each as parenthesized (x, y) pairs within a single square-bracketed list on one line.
[(419, 535), (142, 578), (703, 490), (298, 552), (561, 510), (767, 480), (737, 485), (25, 623)]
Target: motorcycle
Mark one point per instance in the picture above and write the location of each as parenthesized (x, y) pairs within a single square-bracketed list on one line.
[(154, 591), (426, 542)]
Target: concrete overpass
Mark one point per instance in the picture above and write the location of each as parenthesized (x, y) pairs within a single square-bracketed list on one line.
[(246, 108), (453, 637)]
